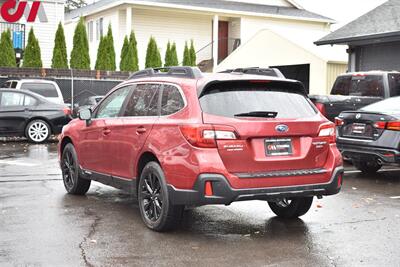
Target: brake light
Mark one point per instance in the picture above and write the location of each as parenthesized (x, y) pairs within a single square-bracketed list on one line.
[(339, 121), (67, 111), (321, 108), (391, 125), (205, 136), (328, 131)]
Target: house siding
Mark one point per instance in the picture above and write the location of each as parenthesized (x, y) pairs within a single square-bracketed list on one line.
[(378, 57), (334, 70)]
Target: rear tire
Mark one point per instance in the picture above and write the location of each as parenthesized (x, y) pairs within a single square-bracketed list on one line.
[(367, 166), (155, 207), (73, 183), (37, 131), (291, 208)]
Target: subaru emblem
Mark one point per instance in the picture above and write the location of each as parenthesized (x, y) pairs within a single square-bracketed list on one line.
[(358, 116), (282, 128)]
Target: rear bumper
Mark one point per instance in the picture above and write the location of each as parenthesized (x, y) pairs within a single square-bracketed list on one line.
[(223, 193), (362, 152)]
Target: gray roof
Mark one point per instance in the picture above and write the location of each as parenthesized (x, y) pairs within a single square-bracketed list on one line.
[(214, 4), (381, 22)]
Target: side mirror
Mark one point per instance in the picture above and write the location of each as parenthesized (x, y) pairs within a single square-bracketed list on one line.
[(86, 115)]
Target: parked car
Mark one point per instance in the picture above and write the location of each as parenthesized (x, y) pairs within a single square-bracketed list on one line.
[(370, 137), (89, 102), (47, 89), (23, 113), (179, 138), (352, 91)]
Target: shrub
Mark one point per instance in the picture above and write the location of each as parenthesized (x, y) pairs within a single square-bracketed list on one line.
[(7, 56), (153, 57), (167, 59), (101, 61), (80, 58), (59, 60), (174, 56), (110, 51), (32, 57)]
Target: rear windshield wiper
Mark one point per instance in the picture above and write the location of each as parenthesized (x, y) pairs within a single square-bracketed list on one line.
[(261, 114)]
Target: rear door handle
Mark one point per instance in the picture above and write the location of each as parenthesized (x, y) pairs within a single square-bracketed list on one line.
[(141, 130), (106, 131)]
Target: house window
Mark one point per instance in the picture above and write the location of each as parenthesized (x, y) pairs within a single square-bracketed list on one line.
[(90, 30), (99, 28)]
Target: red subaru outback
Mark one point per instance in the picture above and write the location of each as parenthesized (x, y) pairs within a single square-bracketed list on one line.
[(176, 137)]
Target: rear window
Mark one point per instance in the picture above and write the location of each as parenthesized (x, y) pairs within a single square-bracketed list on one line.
[(362, 85), (228, 102), (388, 105), (43, 89)]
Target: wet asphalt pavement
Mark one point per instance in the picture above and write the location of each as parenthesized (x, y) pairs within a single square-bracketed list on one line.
[(40, 225)]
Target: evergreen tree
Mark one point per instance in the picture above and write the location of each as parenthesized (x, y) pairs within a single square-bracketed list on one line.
[(133, 44), (174, 56), (60, 60), (123, 63), (32, 58), (167, 59), (80, 58), (7, 56), (101, 61), (110, 51), (192, 53), (153, 57), (187, 61)]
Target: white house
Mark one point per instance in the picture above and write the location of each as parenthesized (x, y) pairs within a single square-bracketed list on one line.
[(227, 34), (51, 12)]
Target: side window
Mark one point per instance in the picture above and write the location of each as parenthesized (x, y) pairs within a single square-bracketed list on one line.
[(111, 106), (29, 101), (11, 99), (394, 84), (14, 84), (43, 89), (172, 100), (7, 84), (342, 86), (143, 101)]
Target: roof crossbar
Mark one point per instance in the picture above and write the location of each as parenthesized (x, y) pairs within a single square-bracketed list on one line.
[(182, 72)]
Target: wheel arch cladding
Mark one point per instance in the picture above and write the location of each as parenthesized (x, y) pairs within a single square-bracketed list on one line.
[(145, 158), (66, 140)]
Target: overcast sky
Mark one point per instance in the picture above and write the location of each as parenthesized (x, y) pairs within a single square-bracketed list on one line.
[(343, 11)]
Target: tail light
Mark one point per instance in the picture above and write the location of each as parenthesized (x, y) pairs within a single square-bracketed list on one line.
[(205, 136), (339, 121), (391, 125), (328, 131), (67, 111), (321, 108)]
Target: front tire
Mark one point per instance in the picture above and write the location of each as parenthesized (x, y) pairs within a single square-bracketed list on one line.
[(37, 131), (367, 166), (155, 207), (291, 208), (73, 183)]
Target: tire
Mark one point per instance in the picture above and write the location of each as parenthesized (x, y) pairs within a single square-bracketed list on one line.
[(155, 207), (73, 183), (367, 166), (37, 131), (291, 208)]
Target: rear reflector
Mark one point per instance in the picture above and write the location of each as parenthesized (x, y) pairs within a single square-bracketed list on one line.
[(339, 121), (339, 181), (208, 191)]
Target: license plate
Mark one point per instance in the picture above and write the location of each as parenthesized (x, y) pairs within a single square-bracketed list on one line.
[(278, 147), (358, 128)]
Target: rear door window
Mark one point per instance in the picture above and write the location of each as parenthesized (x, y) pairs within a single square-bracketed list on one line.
[(394, 84), (43, 89), (171, 101), (231, 101), (143, 101)]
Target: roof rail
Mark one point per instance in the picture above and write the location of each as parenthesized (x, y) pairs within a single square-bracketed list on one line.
[(183, 72), (257, 71)]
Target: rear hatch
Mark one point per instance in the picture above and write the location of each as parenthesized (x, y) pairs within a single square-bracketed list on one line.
[(276, 127)]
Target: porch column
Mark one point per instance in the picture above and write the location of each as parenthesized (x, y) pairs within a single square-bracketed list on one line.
[(215, 42), (128, 21)]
